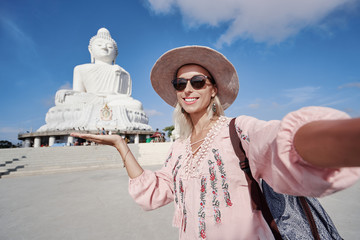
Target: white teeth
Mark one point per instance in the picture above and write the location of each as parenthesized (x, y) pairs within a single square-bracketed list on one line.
[(190, 99)]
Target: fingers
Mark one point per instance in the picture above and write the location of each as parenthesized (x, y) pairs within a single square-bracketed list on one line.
[(100, 139), (85, 136), (77, 135)]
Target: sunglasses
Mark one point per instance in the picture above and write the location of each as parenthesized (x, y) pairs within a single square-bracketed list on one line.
[(197, 82)]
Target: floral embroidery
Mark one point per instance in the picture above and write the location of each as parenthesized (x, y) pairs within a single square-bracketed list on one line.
[(192, 163), (243, 136), (213, 182), (224, 185), (175, 172), (181, 189), (201, 213), (167, 160)]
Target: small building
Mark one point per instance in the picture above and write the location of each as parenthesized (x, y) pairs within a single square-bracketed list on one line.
[(63, 138)]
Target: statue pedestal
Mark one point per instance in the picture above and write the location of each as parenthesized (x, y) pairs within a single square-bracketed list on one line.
[(63, 138), (95, 115)]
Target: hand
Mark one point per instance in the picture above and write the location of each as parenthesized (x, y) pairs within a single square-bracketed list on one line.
[(111, 140), (330, 143), (61, 95)]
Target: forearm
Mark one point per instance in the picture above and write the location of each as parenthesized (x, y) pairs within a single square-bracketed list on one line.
[(330, 143), (133, 168)]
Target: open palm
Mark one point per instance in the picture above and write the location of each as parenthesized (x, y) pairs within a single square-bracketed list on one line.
[(111, 140)]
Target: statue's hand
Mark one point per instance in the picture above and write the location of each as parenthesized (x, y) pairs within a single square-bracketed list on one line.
[(61, 94), (111, 140)]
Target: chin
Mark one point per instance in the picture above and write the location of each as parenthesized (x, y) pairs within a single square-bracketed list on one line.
[(191, 110)]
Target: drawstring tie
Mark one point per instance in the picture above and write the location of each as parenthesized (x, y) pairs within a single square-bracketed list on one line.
[(178, 216)]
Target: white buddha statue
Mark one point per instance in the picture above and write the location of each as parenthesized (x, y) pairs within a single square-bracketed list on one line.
[(101, 94), (102, 75)]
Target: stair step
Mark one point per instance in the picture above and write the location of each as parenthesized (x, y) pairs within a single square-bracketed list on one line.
[(32, 161)]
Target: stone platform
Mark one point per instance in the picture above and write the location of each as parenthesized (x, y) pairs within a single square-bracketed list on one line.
[(49, 138), (90, 200)]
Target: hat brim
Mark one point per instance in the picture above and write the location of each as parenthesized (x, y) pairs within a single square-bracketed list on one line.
[(220, 68)]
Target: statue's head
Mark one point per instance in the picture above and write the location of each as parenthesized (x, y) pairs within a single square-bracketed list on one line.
[(102, 47)]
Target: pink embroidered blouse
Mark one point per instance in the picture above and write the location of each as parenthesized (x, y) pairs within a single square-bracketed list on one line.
[(209, 190)]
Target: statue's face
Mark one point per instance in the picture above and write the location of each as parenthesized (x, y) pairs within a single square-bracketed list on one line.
[(103, 50)]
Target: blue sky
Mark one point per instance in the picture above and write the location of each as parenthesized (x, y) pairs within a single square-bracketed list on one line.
[(288, 54)]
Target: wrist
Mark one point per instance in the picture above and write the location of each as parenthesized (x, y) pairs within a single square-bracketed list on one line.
[(120, 143)]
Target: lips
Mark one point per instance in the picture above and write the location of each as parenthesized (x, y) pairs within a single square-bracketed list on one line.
[(191, 100)]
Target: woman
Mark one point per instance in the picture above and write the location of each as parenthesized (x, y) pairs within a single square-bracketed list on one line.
[(308, 153)]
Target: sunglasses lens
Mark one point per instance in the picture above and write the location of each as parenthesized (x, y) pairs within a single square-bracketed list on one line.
[(179, 84), (198, 82)]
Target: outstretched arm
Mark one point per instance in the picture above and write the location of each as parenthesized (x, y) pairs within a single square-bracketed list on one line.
[(132, 166), (330, 143)]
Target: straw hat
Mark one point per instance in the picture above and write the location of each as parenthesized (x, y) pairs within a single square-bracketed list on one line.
[(220, 68)]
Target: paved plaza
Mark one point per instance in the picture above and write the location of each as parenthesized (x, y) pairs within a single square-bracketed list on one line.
[(93, 205), (84, 205)]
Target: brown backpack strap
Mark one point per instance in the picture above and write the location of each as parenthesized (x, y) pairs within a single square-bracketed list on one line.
[(258, 201), (309, 217)]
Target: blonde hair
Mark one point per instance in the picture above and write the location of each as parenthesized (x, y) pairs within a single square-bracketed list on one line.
[(183, 121)]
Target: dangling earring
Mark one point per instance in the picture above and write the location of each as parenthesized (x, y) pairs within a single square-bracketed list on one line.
[(213, 107), (182, 110)]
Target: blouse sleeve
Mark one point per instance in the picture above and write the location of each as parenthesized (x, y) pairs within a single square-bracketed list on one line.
[(152, 190), (272, 156)]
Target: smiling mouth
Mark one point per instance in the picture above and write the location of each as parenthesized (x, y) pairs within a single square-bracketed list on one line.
[(190, 100)]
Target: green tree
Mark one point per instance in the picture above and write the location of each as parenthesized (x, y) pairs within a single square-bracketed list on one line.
[(6, 144), (169, 130)]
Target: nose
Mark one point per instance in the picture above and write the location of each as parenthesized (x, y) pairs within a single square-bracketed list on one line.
[(188, 87)]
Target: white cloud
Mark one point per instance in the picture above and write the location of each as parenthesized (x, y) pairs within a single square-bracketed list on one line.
[(152, 112), (49, 101), (275, 104), (254, 105), (18, 34), (161, 6), (260, 20), (301, 95), (67, 85), (350, 85)]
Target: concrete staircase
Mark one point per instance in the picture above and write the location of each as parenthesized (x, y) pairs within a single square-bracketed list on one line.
[(33, 161)]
